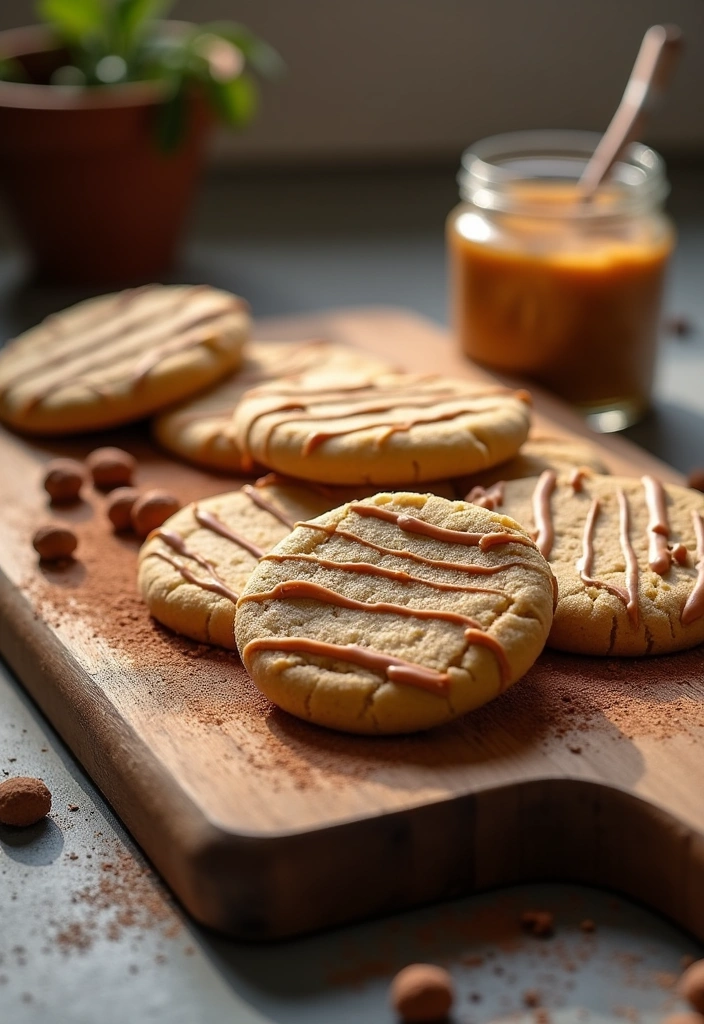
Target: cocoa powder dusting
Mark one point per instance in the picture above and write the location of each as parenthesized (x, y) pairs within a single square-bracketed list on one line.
[(117, 895), (562, 700)]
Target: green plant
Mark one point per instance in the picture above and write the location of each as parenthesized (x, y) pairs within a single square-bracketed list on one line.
[(115, 41)]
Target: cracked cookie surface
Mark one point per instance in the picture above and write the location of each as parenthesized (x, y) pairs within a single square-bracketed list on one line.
[(628, 555), (395, 613), (384, 431), (201, 429), (117, 358), (193, 568)]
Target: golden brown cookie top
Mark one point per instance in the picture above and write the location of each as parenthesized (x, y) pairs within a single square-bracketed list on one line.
[(395, 613), (193, 568), (628, 554), (385, 429), (119, 357), (202, 428)]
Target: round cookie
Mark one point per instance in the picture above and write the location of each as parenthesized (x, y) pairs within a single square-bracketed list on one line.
[(394, 428), (201, 429), (540, 452), (395, 613), (192, 569), (120, 357), (628, 555)]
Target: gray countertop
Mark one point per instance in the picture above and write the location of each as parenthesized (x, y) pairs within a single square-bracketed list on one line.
[(87, 934)]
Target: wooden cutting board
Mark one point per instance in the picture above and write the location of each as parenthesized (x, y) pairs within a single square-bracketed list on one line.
[(588, 769)]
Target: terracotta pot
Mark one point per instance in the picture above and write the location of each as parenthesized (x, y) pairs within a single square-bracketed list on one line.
[(94, 197)]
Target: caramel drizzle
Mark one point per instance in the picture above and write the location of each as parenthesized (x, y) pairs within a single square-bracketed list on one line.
[(313, 441), (75, 352), (624, 536), (357, 403), (262, 503), (396, 670), (577, 478), (212, 582), (411, 524), (542, 513), (279, 480), (305, 589), (53, 324), (659, 554), (473, 633), (210, 521), (293, 366), (586, 561), (694, 606), (490, 498), (156, 355), (476, 570), (370, 569)]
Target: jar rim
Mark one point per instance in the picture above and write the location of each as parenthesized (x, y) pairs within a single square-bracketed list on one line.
[(492, 166)]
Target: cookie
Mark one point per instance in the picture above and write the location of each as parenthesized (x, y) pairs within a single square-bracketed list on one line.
[(192, 569), (540, 452), (395, 613), (120, 357), (201, 429), (385, 430), (628, 555)]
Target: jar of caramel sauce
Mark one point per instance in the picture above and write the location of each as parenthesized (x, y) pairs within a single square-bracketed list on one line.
[(555, 288)]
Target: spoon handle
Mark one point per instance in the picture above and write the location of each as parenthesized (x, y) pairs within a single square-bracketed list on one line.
[(656, 60)]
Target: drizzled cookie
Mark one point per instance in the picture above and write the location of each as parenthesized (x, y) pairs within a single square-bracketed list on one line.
[(202, 429), (120, 357), (386, 430), (193, 568), (628, 555), (395, 613)]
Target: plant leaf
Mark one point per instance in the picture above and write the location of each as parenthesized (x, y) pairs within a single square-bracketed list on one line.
[(235, 100), (74, 20), (263, 57), (132, 17)]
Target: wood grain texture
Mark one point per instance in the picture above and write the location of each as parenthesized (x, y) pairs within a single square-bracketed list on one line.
[(267, 827)]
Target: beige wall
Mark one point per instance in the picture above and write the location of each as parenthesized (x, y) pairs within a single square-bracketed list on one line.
[(384, 78)]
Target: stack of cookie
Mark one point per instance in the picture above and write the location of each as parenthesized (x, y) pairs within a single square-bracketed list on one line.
[(408, 551)]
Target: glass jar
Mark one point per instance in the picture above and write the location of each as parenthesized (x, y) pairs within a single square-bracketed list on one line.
[(548, 286)]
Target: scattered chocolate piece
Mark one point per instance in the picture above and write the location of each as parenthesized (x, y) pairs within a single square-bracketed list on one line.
[(23, 801), (422, 992), (151, 511), (696, 479), (587, 925), (539, 923), (531, 997), (73, 807), (691, 985), (575, 748), (119, 507), (63, 479), (111, 467), (54, 543)]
